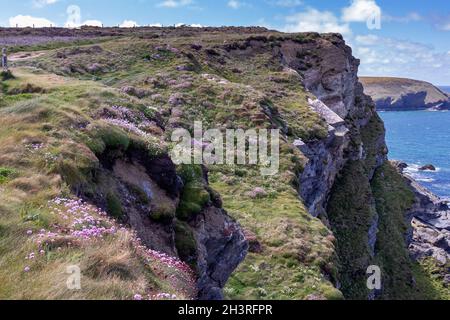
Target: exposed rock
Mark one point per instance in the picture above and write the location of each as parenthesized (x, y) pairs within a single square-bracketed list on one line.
[(332, 78), (428, 167), (254, 245), (429, 235), (149, 191), (133, 91), (257, 193), (221, 247), (401, 166)]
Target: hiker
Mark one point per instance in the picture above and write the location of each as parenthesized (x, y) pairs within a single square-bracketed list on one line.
[(4, 60)]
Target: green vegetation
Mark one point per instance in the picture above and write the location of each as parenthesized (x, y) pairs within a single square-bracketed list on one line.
[(402, 278), (185, 243), (113, 205), (351, 213), (194, 195), (73, 109), (6, 174)]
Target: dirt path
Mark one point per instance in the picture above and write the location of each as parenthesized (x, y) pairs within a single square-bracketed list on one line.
[(20, 56)]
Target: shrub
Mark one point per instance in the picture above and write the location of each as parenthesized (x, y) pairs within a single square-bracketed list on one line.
[(104, 137), (193, 199), (185, 243), (190, 173), (6, 75), (163, 212), (113, 205)]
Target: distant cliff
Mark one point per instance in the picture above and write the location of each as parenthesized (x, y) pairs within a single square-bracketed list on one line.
[(394, 94)]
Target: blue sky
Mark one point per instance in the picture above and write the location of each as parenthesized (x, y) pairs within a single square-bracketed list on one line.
[(406, 38)]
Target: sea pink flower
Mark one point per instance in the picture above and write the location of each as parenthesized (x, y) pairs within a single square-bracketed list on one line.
[(137, 297), (26, 269)]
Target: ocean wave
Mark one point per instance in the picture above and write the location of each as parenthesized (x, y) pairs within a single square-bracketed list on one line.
[(429, 180)]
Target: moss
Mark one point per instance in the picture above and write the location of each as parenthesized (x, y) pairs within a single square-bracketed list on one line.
[(113, 205), (185, 243)]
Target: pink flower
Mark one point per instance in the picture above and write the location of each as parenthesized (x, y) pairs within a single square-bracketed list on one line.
[(29, 232), (137, 297), (27, 269)]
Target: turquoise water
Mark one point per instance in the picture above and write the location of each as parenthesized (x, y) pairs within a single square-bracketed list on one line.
[(419, 138)]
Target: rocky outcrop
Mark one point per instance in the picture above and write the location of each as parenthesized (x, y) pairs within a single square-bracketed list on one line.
[(144, 192), (221, 247), (397, 94), (341, 102), (429, 218)]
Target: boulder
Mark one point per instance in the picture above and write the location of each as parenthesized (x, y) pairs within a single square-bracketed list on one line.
[(428, 167)]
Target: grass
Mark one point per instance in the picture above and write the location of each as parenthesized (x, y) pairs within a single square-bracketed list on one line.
[(50, 158), (402, 278), (54, 137)]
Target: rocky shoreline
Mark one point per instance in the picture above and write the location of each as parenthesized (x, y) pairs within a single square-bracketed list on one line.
[(429, 220)]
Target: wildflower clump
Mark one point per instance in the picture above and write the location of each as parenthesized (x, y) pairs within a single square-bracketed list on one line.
[(80, 225)]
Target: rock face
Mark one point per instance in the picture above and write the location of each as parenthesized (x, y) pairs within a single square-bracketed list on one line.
[(221, 247), (429, 235), (346, 109), (396, 94), (149, 191)]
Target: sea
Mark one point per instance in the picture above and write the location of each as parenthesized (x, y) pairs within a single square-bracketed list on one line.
[(420, 138), (445, 88)]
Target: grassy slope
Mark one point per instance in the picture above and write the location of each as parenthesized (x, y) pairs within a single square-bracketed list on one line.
[(38, 142), (297, 247)]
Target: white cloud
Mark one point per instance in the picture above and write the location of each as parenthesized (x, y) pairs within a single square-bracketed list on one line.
[(174, 3), (92, 23), (382, 56), (234, 4), (43, 3), (410, 17), (29, 21), (129, 24), (361, 11), (287, 3), (194, 25), (159, 25), (74, 18), (315, 20), (369, 39)]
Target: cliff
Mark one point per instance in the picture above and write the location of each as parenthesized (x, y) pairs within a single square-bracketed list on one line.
[(396, 94), (91, 119)]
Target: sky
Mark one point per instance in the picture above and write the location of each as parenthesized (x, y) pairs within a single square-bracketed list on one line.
[(402, 38)]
